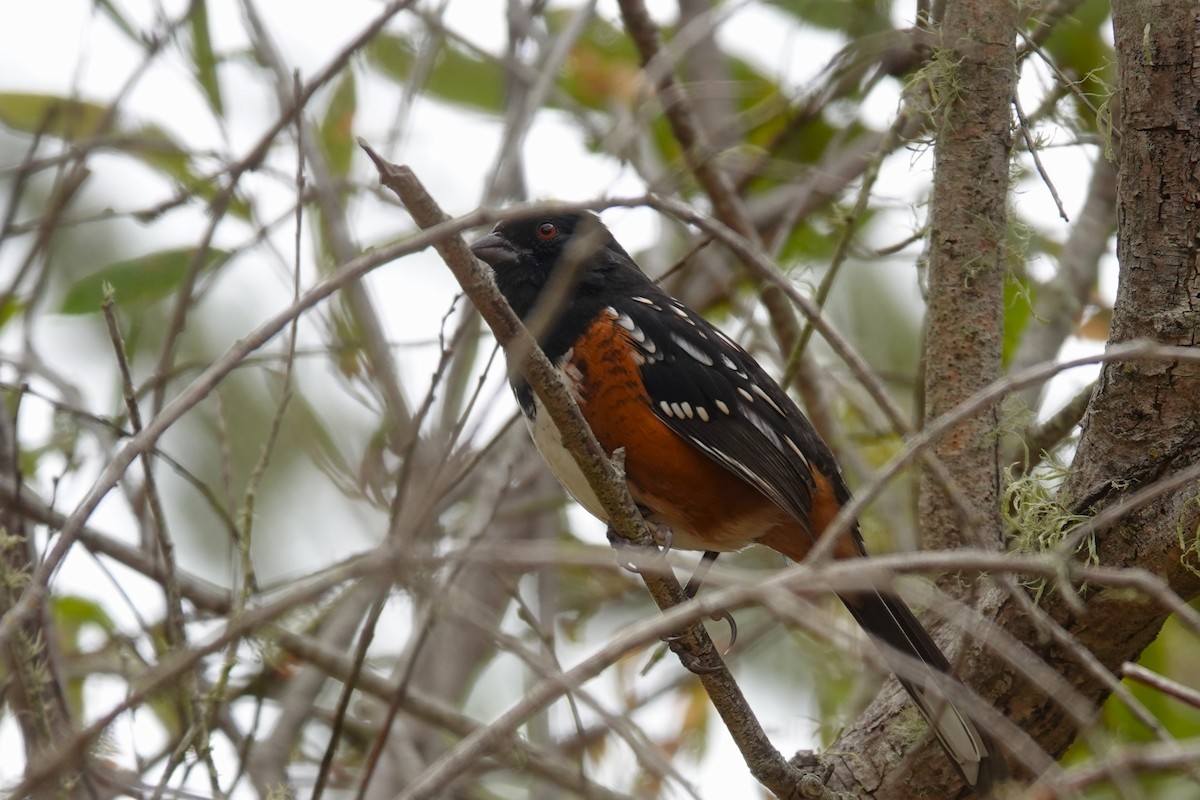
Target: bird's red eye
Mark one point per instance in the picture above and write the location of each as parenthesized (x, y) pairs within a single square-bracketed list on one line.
[(547, 230)]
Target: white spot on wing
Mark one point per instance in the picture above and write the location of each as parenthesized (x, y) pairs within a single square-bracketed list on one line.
[(749, 397), (702, 413), (683, 314), (692, 350), (637, 334), (731, 364), (687, 410), (721, 405), (797, 451), (763, 426), (666, 407), (758, 391), (726, 339)]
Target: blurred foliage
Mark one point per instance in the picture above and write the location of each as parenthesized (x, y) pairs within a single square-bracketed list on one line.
[(60, 117), (332, 416), (79, 121), (137, 282), (449, 72), (204, 58), (1175, 653), (1080, 50), (337, 127)]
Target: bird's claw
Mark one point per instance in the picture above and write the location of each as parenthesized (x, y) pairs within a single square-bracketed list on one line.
[(691, 662), (733, 630), (693, 586), (661, 545), (719, 616)]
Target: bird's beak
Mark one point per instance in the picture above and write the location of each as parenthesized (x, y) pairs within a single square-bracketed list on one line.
[(494, 250)]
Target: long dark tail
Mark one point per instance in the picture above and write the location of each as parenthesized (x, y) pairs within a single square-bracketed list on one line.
[(890, 621)]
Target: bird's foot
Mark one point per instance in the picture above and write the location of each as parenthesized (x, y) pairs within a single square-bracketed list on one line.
[(660, 546), (694, 584), (690, 661)]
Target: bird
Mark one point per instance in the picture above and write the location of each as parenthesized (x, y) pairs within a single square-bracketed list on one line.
[(715, 451)]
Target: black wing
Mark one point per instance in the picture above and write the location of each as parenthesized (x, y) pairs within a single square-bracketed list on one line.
[(709, 390)]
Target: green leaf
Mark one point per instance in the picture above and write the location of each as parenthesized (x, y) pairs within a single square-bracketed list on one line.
[(1079, 50), (137, 282), (12, 306), (155, 147), (202, 55), (337, 128), (1018, 312), (810, 242), (75, 120), (71, 120), (852, 17), (72, 612), (457, 77)]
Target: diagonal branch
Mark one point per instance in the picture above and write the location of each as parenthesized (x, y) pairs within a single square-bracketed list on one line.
[(606, 481)]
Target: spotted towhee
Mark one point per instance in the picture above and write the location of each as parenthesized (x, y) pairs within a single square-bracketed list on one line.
[(714, 449)]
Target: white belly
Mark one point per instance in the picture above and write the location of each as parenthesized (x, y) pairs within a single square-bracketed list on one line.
[(549, 443)]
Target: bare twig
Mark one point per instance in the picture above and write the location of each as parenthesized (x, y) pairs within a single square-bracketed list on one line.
[(35, 593), (1033, 148), (1184, 694), (608, 484), (179, 663)]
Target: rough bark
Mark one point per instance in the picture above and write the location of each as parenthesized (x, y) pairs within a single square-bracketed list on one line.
[(1143, 425), (1144, 421), (1145, 417), (975, 70)]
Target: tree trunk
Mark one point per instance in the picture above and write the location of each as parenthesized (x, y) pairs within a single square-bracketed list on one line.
[(1143, 424), (974, 73)]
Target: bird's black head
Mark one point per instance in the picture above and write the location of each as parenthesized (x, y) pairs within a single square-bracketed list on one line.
[(524, 253)]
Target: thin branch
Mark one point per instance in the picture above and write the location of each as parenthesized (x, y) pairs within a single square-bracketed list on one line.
[(1132, 759), (199, 389), (604, 479), (1033, 149), (333, 212), (1184, 694), (700, 157), (176, 664), (1059, 303)]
